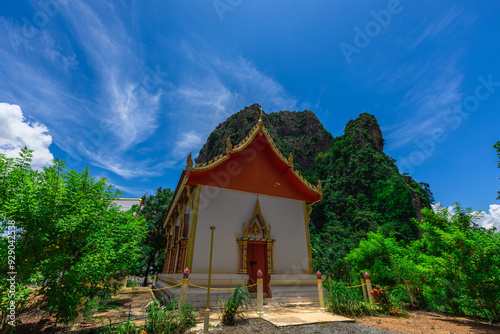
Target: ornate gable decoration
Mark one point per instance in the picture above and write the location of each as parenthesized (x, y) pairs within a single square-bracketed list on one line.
[(230, 148), (256, 224)]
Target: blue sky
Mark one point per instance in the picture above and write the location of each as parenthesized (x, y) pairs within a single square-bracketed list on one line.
[(129, 88)]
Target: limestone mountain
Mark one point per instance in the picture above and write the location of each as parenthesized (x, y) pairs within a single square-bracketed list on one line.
[(300, 133), (363, 192)]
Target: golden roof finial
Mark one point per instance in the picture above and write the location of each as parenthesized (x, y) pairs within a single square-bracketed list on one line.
[(229, 146), (290, 160), (260, 116), (319, 187), (189, 162)]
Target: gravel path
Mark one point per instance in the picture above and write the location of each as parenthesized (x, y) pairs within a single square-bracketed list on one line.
[(264, 327)]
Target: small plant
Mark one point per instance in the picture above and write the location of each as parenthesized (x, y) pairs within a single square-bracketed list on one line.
[(128, 327), (173, 318), (132, 284), (384, 301), (170, 319), (229, 309)]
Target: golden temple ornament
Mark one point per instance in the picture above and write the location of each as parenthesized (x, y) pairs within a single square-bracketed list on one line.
[(290, 160), (229, 146), (255, 229), (189, 162)]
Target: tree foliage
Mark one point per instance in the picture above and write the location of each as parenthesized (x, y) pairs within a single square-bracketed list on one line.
[(70, 238), (455, 265), (153, 209)]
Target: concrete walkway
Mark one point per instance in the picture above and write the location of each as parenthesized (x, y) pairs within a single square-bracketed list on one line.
[(280, 315), (294, 319)]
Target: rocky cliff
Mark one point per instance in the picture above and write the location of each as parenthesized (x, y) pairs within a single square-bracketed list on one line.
[(297, 132)]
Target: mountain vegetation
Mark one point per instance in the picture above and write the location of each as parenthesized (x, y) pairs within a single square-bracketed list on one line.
[(363, 192)]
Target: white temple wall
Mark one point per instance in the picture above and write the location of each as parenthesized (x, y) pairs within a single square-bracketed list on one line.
[(227, 210)]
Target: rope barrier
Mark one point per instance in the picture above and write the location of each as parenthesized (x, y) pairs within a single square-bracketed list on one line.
[(355, 286), (204, 287), (173, 286), (168, 287), (393, 286)]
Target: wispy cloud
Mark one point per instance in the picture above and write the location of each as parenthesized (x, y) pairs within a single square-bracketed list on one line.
[(221, 87), (110, 110), (86, 79), (116, 62), (189, 141), (425, 104), (436, 26)]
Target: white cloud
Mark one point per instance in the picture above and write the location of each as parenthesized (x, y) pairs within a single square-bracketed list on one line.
[(492, 218), (483, 219), (16, 132)]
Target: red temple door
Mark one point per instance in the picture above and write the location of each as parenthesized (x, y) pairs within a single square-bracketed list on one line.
[(257, 259)]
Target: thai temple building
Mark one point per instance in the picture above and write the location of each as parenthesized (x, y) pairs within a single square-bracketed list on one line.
[(259, 205)]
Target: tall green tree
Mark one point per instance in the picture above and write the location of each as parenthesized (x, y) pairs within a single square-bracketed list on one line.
[(70, 238), (153, 209)]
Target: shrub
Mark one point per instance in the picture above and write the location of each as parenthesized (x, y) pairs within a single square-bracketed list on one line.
[(229, 308), (173, 318), (387, 303), (170, 319), (345, 301)]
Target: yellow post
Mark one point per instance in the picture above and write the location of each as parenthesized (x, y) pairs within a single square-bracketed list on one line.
[(411, 293), (75, 324), (184, 286), (369, 287), (320, 292), (260, 294), (363, 287), (123, 283), (155, 278), (207, 311)]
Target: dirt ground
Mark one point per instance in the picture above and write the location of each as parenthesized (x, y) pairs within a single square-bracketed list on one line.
[(129, 302), (39, 321), (430, 322)]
